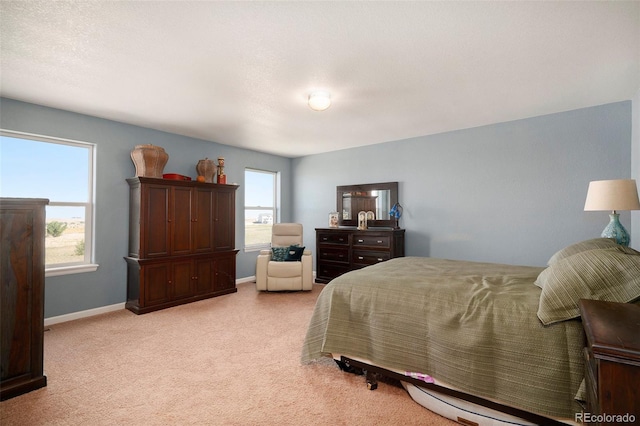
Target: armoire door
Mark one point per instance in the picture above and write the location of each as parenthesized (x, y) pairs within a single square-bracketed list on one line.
[(202, 225), (155, 225), (224, 220), (181, 214)]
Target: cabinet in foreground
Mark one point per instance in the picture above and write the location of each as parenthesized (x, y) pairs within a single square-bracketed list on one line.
[(612, 360), (22, 233)]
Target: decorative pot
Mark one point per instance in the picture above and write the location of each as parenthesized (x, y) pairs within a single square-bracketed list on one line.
[(206, 168), (149, 160)]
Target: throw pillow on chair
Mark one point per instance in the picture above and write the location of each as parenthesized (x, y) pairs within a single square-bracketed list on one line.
[(294, 254)]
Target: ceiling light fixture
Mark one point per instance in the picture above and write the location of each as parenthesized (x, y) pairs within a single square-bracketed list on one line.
[(319, 101)]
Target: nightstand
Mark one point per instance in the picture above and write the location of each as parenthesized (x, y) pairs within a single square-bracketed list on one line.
[(612, 360)]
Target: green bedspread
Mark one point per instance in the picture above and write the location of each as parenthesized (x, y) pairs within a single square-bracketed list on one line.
[(468, 324)]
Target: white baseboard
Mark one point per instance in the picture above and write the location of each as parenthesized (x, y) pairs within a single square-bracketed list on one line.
[(104, 309), (83, 314)]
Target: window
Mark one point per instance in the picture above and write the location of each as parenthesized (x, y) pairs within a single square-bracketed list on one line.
[(260, 211), (33, 166)]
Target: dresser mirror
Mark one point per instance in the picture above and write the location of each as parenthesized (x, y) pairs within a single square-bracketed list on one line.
[(377, 198)]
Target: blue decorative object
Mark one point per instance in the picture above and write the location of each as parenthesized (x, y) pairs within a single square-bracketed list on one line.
[(396, 213), (615, 230)]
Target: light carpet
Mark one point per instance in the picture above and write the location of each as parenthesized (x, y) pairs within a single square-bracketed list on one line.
[(230, 360)]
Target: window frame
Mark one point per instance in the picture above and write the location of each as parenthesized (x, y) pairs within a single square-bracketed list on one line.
[(88, 263), (275, 209)]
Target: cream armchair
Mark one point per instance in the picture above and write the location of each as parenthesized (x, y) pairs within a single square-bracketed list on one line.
[(273, 275)]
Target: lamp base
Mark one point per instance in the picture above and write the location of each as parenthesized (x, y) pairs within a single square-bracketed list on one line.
[(616, 231)]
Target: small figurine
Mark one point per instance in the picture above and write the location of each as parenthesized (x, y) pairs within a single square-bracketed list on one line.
[(222, 178)]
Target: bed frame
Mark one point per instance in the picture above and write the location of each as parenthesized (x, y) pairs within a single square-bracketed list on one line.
[(372, 373)]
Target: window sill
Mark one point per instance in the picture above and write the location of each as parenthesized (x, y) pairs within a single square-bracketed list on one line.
[(67, 270)]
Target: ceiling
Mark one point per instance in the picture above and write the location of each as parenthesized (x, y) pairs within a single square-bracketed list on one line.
[(239, 73)]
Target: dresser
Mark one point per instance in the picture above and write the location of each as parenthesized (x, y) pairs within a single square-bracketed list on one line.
[(22, 234), (181, 242), (340, 250), (612, 360)]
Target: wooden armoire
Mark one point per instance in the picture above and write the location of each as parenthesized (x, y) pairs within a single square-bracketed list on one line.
[(181, 242), (22, 233)]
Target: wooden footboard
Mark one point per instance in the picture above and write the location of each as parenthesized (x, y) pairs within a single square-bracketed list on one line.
[(371, 373)]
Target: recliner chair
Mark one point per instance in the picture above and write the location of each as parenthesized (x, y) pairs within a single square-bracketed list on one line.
[(287, 275)]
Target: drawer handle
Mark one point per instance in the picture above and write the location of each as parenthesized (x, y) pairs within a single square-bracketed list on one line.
[(379, 241), (360, 257), (341, 255), (380, 259), (361, 241), (324, 238)]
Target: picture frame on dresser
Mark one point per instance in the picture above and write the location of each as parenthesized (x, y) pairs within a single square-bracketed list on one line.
[(334, 219)]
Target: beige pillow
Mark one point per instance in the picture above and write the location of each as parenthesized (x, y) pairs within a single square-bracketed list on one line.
[(611, 274), (595, 243)]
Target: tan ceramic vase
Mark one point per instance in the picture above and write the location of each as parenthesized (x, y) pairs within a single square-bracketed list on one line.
[(149, 160), (206, 168)]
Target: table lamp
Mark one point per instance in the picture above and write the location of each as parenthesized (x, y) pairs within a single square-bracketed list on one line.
[(613, 195)]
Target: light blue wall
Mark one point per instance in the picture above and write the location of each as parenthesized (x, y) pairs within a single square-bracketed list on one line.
[(107, 286), (510, 193)]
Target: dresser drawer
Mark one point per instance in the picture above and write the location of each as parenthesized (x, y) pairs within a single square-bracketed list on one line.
[(364, 257), (333, 254), (363, 240), (327, 272), (333, 238)]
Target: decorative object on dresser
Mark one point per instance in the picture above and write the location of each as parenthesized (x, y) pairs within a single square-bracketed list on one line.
[(613, 195), (340, 250), (396, 213), (362, 220), (22, 234), (149, 160), (612, 360), (181, 242)]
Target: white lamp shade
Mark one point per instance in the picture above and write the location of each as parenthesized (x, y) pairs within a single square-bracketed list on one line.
[(319, 101), (612, 195)]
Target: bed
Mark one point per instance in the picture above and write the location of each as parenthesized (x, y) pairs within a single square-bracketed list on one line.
[(498, 335)]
